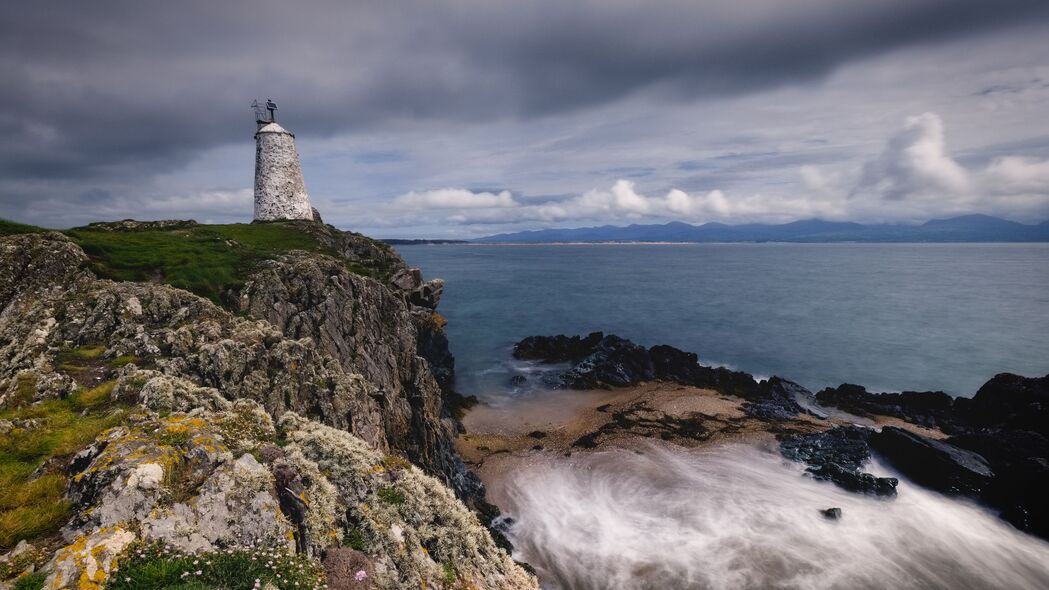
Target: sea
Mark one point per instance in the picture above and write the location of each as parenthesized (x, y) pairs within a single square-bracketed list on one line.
[(891, 317)]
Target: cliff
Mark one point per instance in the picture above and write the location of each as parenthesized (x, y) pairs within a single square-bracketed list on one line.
[(289, 407)]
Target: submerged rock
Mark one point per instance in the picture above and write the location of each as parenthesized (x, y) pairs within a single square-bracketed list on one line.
[(831, 513)]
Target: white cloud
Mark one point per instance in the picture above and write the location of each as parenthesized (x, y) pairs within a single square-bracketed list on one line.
[(913, 177), (455, 198), (1017, 175), (915, 164), (621, 202)]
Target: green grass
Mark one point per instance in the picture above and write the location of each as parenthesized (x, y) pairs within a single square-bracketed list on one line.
[(204, 259), (10, 228), (154, 567), (30, 506)]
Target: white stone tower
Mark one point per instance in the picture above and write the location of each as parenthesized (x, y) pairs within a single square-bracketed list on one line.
[(280, 192)]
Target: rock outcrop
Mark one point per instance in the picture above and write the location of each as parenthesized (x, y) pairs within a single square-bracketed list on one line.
[(1005, 426), (599, 361), (312, 355), (838, 455), (372, 331)]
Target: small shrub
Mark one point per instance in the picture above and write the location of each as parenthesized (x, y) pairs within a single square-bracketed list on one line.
[(354, 539), (393, 462), (33, 581), (347, 569), (391, 495)]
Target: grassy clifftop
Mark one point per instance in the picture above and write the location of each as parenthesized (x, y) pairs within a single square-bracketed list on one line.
[(208, 260)]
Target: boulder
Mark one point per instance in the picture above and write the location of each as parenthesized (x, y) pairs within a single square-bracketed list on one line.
[(932, 463)]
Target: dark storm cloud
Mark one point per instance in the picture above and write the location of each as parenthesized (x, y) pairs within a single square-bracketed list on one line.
[(102, 89)]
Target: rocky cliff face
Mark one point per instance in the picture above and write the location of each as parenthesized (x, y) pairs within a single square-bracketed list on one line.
[(372, 331), (332, 356)]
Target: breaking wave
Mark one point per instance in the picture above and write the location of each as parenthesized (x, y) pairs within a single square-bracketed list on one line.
[(742, 517)]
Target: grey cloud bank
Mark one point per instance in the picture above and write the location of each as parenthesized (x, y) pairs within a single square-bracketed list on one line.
[(408, 113)]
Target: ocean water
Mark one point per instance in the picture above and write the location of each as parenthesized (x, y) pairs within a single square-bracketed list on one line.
[(891, 317)]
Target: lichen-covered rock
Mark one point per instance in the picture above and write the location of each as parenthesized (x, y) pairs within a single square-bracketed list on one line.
[(414, 529), (235, 507), (89, 560), (160, 392), (192, 463), (184, 336)]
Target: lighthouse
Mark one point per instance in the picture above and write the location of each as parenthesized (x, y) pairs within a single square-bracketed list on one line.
[(280, 192)]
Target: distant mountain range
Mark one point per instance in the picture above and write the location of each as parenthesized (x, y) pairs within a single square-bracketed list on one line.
[(967, 228)]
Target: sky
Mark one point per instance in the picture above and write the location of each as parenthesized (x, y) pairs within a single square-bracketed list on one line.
[(465, 118)]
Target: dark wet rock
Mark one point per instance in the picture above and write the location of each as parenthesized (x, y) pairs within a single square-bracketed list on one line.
[(838, 455), (927, 408), (932, 463), (831, 513), (672, 364), (537, 434), (1021, 481), (503, 524), (600, 361), (556, 349), (518, 380), (614, 362), (1010, 401), (776, 400)]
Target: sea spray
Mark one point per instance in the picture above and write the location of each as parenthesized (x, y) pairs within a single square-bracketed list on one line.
[(742, 517)]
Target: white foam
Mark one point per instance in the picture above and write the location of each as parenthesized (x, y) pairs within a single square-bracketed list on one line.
[(740, 517)]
